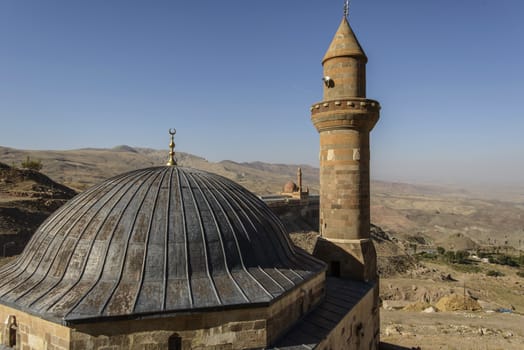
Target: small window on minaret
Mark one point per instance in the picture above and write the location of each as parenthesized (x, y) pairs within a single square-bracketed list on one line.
[(335, 268)]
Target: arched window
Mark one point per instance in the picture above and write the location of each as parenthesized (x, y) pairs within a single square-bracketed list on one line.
[(174, 342), (10, 331)]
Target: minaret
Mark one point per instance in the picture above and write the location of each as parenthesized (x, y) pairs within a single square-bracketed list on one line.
[(344, 120), (299, 180)]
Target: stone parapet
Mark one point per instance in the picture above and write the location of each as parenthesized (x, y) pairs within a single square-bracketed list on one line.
[(354, 113), (347, 319)]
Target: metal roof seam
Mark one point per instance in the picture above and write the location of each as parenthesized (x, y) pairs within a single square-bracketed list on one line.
[(202, 232), (219, 234), (124, 258), (125, 189), (82, 268), (40, 265)]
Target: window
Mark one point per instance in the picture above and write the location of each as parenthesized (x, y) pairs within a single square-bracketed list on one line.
[(10, 331), (174, 342), (335, 268)]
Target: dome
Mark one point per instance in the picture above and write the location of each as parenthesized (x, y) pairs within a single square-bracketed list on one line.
[(155, 241), (290, 187)]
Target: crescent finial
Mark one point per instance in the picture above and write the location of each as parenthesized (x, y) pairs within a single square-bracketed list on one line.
[(171, 160)]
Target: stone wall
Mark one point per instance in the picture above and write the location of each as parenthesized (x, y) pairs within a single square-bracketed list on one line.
[(34, 333), (296, 214), (241, 328), (230, 329), (238, 329), (359, 329), (285, 312), (349, 77), (344, 184)]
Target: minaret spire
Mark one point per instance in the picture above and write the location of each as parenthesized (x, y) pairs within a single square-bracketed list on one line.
[(299, 179), (346, 9)]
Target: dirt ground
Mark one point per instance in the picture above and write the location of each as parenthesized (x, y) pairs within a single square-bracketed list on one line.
[(425, 285), (452, 330)]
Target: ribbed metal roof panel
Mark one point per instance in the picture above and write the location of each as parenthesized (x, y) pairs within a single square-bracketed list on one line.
[(156, 240)]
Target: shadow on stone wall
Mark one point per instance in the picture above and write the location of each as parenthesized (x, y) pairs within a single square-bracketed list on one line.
[(388, 346), (297, 215), (351, 261)]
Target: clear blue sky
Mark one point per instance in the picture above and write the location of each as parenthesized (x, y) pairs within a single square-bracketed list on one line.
[(237, 77)]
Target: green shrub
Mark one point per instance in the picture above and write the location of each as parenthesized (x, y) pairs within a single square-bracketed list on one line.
[(426, 255), (503, 259), (462, 257), (32, 164), (467, 268), (458, 257), (494, 273)]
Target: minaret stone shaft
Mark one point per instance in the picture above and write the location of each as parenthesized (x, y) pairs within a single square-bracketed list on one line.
[(299, 180), (344, 120)]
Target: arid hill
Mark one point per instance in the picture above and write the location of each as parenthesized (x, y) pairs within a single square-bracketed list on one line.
[(418, 215), (83, 168), (427, 216), (27, 198)]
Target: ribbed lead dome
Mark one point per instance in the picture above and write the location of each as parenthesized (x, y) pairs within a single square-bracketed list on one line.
[(157, 240)]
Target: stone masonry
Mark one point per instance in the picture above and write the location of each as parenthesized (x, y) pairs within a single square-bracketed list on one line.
[(344, 120)]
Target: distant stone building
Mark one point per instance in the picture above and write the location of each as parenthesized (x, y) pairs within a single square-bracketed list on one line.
[(176, 258), (295, 190)]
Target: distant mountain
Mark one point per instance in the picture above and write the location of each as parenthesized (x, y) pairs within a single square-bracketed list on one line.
[(435, 213), (83, 168)]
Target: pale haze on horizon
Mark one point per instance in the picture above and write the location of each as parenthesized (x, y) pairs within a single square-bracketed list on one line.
[(237, 79)]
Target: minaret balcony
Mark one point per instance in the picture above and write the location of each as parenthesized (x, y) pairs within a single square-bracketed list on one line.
[(352, 113)]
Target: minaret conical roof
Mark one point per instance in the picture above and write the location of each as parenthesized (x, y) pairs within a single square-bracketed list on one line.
[(344, 43)]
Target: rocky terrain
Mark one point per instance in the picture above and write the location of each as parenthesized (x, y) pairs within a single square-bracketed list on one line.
[(27, 198), (435, 306), (437, 216), (432, 305), (451, 330)]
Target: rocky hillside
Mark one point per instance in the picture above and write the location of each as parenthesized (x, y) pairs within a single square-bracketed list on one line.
[(425, 216), (83, 168), (459, 220), (392, 258), (27, 198)]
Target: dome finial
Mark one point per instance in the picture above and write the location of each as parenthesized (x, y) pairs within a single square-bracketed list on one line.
[(172, 161), (346, 8)]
